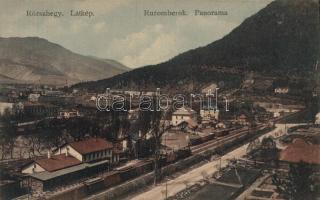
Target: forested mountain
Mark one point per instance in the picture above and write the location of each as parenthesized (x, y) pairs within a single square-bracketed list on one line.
[(281, 39)]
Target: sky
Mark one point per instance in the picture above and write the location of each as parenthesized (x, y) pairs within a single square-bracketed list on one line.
[(120, 31)]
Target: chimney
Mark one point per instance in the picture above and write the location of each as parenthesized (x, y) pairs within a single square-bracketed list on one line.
[(49, 154), (67, 152), (140, 134)]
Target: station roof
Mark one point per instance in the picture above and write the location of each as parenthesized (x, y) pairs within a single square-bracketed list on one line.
[(57, 162), (91, 145), (45, 176)]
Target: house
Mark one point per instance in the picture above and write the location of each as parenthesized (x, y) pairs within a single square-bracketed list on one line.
[(57, 97), (185, 126), (221, 125), (247, 83), (281, 90), (192, 124), (66, 114), (51, 163), (133, 114), (182, 126), (183, 114), (12, 96), (242, 120), (175, 140), (209, 114), (209, 89), (317, 118), (148, 93), (39, 109), (75, 91), (65, 175), (88, 150), (132, 93), (33, 97), (276, 114), (53, 93), (300, 150), (75, 153), (274, 107), (69, 163), (93, 98), (6, 106)]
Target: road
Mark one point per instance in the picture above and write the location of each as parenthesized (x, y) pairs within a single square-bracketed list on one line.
[(196, 175)]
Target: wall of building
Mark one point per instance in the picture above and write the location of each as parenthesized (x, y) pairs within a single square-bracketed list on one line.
[(32, 168), (105, 154), (208, 114), (115, 158), (5, 106), (177, 119), (71, 152), (100, 155)]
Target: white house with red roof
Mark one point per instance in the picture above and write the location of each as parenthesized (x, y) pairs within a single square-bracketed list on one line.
[(50, 164), (183, 114), (301, 151), (89, 150)]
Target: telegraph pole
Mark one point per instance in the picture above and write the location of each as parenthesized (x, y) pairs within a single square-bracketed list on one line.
[(165, 144)]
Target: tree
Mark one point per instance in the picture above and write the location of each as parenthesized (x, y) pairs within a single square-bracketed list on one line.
[(298, 185), (199, 119), (253, 146), (268, 149), (7, 134), (157, 130), (35, 144), (152, 122)]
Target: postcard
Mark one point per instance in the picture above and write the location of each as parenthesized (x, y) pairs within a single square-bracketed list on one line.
[(159, 99)]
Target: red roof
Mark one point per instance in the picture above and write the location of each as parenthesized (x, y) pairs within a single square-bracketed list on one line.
[(57, 162), (192, 123), (91, 145), (299, 150), (242, 116)]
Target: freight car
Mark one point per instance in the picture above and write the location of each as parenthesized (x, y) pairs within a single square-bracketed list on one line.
[(222, 132), (176, 155)]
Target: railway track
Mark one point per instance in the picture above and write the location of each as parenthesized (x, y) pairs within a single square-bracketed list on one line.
[(220, 141)]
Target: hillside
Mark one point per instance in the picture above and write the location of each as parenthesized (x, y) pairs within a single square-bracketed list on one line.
[(34, 60), (281, 39)]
